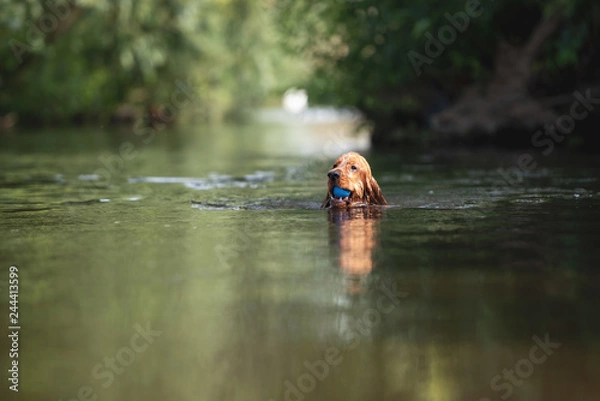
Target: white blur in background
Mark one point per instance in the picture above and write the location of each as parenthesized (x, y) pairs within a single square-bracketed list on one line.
[(295, 101)]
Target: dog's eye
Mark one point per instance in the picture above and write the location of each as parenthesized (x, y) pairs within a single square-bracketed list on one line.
[(353, 168), (334, 166)]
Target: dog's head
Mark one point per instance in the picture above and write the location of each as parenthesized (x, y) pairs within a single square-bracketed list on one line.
[(350, 183)]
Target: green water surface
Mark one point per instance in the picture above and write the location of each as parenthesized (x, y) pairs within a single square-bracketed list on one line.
[(195, 264)]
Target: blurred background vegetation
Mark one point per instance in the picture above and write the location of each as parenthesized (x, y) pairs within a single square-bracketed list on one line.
[(78, 61)]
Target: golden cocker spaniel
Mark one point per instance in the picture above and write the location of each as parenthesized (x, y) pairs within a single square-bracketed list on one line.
[(351, 184)]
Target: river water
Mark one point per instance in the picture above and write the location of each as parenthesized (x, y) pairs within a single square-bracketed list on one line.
[(195, 264)]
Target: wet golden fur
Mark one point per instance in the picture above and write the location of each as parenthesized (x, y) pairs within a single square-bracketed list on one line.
[(352, 172)]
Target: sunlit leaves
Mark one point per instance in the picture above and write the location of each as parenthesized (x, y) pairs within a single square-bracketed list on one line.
[(109, 49)]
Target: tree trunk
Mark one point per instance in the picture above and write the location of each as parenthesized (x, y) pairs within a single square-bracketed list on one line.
[(505, 103)]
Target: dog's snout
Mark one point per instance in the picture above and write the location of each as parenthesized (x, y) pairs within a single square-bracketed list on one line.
[(333, 175)]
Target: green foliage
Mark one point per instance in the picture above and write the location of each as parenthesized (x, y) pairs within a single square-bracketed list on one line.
[(84, 59), (361, 53), (65, 59)]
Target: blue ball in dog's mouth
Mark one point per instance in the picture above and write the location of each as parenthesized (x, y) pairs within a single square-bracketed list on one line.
[(340, 192)]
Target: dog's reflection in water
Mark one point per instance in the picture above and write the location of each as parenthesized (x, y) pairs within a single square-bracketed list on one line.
[(354, 231)]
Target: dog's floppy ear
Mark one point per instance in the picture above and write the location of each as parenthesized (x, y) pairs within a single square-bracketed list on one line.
[(373, 194)]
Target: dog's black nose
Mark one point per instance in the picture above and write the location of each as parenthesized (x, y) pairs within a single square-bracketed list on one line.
[(333, 175)]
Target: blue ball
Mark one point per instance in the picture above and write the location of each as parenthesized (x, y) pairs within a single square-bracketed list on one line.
[(340, 193)]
